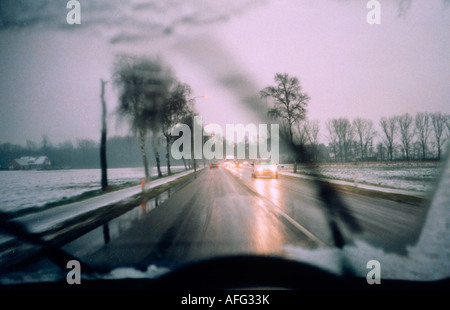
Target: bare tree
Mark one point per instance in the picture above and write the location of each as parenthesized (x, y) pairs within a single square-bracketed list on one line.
[(344, 133), (143, 86), (447, 116), (301, 134), (422, 126), (289, 104), (381, 150), (188, 119), (155, 144), (389, 127), (313, 131), (332, 138), (439, 121), (306, 135), (175, 109), (405, 124), (365, 133)]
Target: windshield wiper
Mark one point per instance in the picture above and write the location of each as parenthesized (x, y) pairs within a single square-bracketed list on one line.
[(45, 248)]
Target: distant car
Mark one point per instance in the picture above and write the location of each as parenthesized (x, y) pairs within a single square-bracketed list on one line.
[(214, 165), (264, 167)]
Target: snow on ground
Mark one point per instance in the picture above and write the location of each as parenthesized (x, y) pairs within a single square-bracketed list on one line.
[(415, 176), (27, 189), (151, 272)]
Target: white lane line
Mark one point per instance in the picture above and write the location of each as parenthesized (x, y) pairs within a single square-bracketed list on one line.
[(278, 210), (293, 222)]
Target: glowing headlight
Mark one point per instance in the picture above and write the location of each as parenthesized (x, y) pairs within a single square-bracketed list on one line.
[(259, 168), (273, 168)]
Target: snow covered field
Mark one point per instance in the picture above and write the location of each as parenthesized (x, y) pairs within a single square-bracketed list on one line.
[(418, 177), (26, 189)]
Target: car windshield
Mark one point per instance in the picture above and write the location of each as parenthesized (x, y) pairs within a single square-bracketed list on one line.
[(113, 112)]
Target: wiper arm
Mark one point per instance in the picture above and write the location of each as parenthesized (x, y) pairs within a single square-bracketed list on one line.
[(335, 207), (47, 249)]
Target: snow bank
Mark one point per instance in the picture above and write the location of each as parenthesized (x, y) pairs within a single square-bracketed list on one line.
[(418, 177), (152, 272)]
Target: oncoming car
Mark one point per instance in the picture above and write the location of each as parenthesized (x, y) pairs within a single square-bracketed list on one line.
[(264, 167)]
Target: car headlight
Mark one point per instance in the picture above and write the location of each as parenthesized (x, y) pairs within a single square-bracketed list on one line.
[(259, 168), (273, 168)]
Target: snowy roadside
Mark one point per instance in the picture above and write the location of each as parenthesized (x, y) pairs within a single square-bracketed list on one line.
[(358, 185), (59, 225), (412, 179), (40, 222), (55, 216), (27, 191)]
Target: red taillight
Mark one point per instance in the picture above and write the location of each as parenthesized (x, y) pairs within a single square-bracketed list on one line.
[(210, 165)]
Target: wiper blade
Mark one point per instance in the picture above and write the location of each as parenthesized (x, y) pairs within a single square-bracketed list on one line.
[(45, 248)]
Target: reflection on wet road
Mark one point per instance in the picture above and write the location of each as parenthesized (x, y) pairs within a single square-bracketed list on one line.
[(212, 216), (387, 224), (225, 212)]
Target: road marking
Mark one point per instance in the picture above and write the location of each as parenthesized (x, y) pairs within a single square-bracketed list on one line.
[(300, 227), (280, 212)]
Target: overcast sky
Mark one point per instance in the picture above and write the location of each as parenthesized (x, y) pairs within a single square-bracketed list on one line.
[(229, 50)]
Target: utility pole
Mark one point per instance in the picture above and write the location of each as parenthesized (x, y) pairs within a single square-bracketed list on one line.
[(103, 139)]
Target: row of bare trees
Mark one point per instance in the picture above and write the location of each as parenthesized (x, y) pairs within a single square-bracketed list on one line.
[(152, 101), (421, 136), (400, 137), (420, 131)]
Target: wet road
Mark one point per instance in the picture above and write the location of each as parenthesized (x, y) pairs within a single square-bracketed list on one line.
[(384, 223), (226, 212)]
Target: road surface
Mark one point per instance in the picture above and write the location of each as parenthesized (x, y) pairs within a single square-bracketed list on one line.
[(224, 212)]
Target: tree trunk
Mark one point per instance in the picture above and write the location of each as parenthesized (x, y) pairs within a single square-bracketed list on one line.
[(158, 162), (390, 152), (103, 163), (361, 144), (439, 149), (168, 156), (144, 155)]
